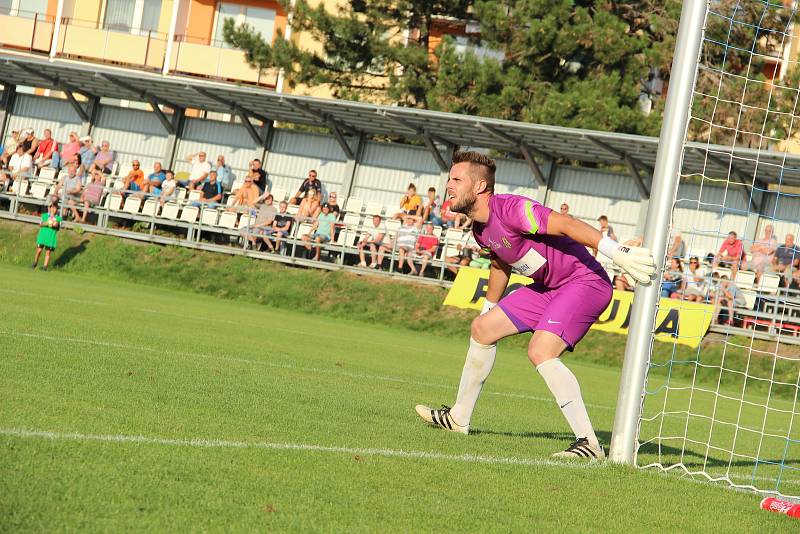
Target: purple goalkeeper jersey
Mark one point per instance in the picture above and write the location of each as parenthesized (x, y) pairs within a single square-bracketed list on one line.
[(516, 233)]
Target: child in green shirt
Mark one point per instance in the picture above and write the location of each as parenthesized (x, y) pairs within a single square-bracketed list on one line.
[(50, 224)]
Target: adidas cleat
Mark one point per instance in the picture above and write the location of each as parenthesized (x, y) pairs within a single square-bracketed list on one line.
[(581, 448), (441, 418)]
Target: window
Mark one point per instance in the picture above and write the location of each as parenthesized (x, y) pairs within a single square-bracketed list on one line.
[(464, 44), (260, 19), (24, 8), (134, 16)]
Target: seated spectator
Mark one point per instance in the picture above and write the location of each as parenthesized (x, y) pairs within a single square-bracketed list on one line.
[(425, 249), (677, 247), (44, 153), (87, 152), (795, 282), (199, 171), (405, 242), (731, 253), (785, 255), (210, 192), (134, 181), (762, 252), (168, 188), (311, 205), (281, 227), (247, 195), (265, 216), (155, 179), (333, 202), (69, 150), (259, 176), (20, 164), (410, 204), (371, 239), (693, 283), (309, 184), (29, 142), (432, 207), (564, 209), (466, 254), (224, 173), (605, 228), (728, 295), (672, 278), (104, 158), (9, 147), (91, 196), (321, 231), (70, 186)]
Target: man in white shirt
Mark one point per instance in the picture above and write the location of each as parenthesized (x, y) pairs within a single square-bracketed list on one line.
[(200, 170), (372, 239), (694, 282), (20, 165)]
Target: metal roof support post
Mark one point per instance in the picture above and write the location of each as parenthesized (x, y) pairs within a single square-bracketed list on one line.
[(6, 107), (162, 118), (267, 136), (348, 180), (90, 117), (339, 136), (255, 135), (750, 233), (633, 168), (544, 192), (174, 137)]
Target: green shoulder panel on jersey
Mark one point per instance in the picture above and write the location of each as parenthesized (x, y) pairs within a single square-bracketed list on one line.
[(531, 218)]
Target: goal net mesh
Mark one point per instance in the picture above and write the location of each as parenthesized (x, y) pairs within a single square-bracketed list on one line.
[(728, 410)]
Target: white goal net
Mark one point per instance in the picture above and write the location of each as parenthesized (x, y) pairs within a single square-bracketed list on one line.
[(728, 410)]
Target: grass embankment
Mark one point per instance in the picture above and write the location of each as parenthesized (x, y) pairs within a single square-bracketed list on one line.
[(344, 295)]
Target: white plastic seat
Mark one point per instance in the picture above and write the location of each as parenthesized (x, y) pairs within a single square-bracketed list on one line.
[(180, 194), (170, 211), (195, 194), (437, 231), (209, 216), (769, 283), (39, 190), (745, 279), (227, 219), (245, 220), (749, 298), (119, 184), (237, 184), (47, 173), (20, 187), (303, 229), (132, 205), (722, 271), (115, 202), (189, 214), (393, 224), (151, 207), (353, 205), (374, 208), (122, 170), (292, 209), (231, 200), (352, 219)]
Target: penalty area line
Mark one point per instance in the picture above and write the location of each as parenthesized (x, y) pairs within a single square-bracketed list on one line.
[(304, 447)]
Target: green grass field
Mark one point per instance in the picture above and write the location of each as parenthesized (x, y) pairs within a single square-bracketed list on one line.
[(126, 407)]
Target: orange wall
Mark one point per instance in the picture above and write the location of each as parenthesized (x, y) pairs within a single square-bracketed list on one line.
[(201, 17)]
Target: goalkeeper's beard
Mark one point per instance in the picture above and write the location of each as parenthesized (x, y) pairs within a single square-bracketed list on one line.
[(464, 205)]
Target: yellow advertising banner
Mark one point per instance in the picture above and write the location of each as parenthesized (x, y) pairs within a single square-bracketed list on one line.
[(677, 321)]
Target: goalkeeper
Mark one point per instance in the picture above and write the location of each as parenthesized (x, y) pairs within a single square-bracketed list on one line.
[(569, 292)]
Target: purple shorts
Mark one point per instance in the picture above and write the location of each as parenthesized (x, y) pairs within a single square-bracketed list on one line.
[(567, 311)]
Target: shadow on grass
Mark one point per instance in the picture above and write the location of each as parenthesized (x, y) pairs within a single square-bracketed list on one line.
[(603, 436), (67, 256)]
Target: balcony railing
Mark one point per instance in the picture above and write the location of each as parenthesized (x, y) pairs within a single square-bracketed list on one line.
[(84, 40)]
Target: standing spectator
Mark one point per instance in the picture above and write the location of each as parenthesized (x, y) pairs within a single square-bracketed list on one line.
[(321, 231), (309, 184), (410, 203), (199, 172), (677, 247), (69, 149), (426, 247), (9, 147), (44, 153), (371, 239), (672, 278), (134, 181), (259, 175), (731, 252), (265, 216), (693, 285), (92, 194), (729, 295), (785, 255), (281, 227), (762, 251), (211, 192), (87, 152), (155, 179), (168, 188), (247, 195), (47, 238), (21, 163), (564, 209), (605, 228), (104, 158), (224, 173), (432, 207), (29, 142)]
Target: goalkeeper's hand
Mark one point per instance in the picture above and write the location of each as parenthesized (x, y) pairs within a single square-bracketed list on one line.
[(636, 261)]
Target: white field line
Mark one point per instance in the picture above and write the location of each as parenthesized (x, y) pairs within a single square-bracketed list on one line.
[(306, 447), (286, 366)]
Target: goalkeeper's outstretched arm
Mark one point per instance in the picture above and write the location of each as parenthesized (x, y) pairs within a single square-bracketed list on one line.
[(636, 261)]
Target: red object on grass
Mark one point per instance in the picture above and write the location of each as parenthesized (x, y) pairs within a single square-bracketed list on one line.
[(782, 507)]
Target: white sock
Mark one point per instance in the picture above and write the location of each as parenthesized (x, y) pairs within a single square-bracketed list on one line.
[(479, 363), (565, 388)]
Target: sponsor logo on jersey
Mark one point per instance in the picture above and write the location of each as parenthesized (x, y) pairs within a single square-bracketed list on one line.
[(506, 242)]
